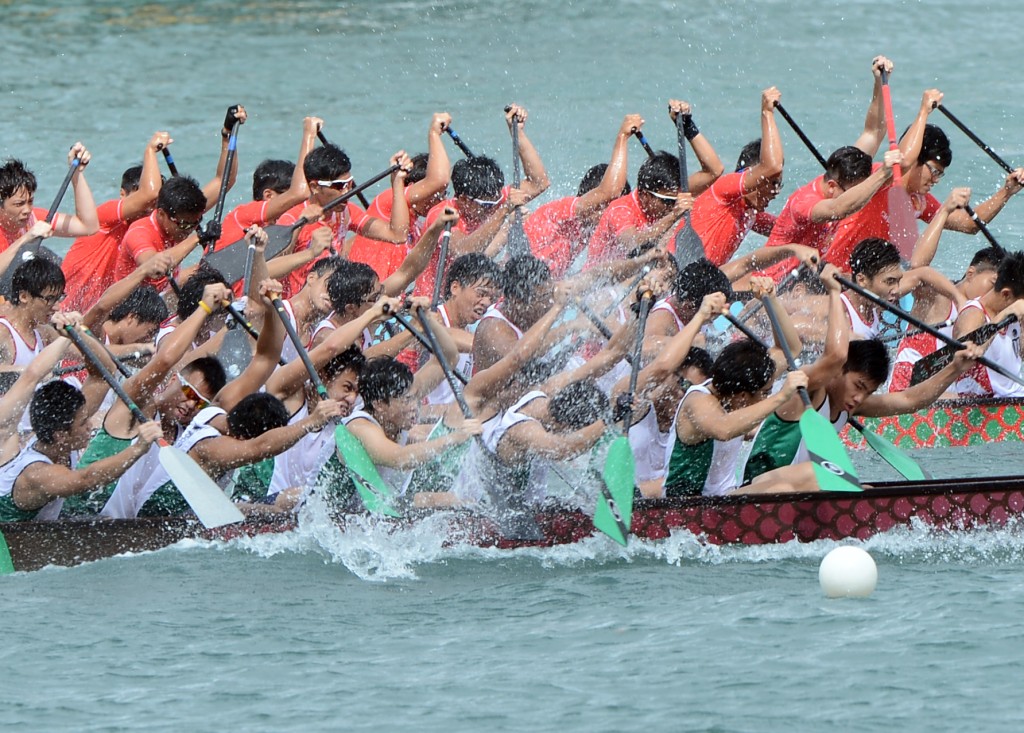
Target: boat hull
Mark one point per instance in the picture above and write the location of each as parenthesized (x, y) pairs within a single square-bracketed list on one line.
[(749, 520), (948, 423)]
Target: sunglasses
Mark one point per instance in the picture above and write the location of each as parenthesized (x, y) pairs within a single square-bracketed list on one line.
[(191, 393), (339, 185), (185, 226), (486, 203), (663, 196)]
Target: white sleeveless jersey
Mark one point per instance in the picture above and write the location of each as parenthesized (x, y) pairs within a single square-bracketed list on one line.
[(442, 394), (129, 497), (299, 465), (1004, 350), (495, 313), (10, 471), (24, 352), (664, 306), (536, 488), (723, 476), (858, 328), (328, 325), (650, 446)]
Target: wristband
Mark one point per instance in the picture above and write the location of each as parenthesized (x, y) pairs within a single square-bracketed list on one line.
[(205, 307), (690, 127)]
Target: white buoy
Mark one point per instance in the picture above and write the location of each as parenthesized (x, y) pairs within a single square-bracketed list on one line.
[(848, 572)]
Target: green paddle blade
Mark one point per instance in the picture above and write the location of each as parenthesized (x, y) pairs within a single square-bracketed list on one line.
[(832, 465), (6, 563), (614, 512), (208, 501), (373, 490), (904, 464)]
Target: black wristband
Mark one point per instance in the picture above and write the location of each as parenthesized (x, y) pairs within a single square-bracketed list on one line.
[(690, 127)]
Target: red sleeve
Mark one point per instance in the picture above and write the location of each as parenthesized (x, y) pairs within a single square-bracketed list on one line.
[(109, 213), (141, 238), (764, 223), (357, 218), (931, 207)]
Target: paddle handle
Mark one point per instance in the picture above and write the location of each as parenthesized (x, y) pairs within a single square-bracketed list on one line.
[(646, 302), (218, 212), (643, 141), (170, 161), (684, 178), (422, 338), (886, 305), (442, 264), (800, 134), (78, 341), (62, 190), (449, 375), (458, 142), (982, 227), (299, 347), (975, 139), (890, 125), (781, 342)]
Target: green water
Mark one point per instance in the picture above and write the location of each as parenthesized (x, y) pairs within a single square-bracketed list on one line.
[(365, 631)]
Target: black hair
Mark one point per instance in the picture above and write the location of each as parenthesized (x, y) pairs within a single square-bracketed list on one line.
[(579, 404), (273, 174), (35, 277), (807, 277), (868, 357), (255, 415), (749, 156), (130, 178), (181, 195), (934, 146), (144, 303), (211, 370), (7, 380), (477, 178), (325, 164), (522, 276), (659, 173), (350, 284), (351, 358), (470, 268), (419, 169), (192, 290), (1011, 274), (53, 409), (988, 258), (872, 255), (743, 366), (326, 265), (383, 379), (13, 176), (848, 166), (699, 359), (592, 179), (698, 279)]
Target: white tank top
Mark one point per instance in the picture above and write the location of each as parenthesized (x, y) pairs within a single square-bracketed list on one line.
[(442, 393), (650, 446), (536, 489), (724, 474), (328, 325), (23, 352), (298, 466), (858, 328), (494, 312), (10, 471), (1004, 350), (664, 306)]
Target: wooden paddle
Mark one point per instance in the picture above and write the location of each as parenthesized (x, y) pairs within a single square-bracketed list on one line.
[(211, 505), (458, 142), (514, 522), (359, 192), (518, 244), (377, 496), (34, 247), (921, 325), (689, 247), (833, 468), (613, 513), (230, 259), (974, 138), (902, 222), (930, 365)]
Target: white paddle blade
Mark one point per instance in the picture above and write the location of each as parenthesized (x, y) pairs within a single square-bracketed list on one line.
[(211, 505)]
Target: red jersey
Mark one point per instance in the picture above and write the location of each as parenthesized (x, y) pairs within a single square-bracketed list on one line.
[(555, 234), (144, 235), (623, 213), (90, 263), (349, 219), (425, 282), (385, 257), (234, 224), (794, 226), (722, 218), (37, 215)]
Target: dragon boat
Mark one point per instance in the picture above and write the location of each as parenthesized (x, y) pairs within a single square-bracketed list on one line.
[(948, 423), (946, 505)]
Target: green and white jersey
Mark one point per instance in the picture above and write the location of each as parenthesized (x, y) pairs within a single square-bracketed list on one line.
[(710, 468), (9, 473), (103, 445)]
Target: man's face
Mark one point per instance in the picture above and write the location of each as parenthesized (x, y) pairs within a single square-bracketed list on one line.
[(40, 308), (178, 227), (474, 298), (318, 297), (850, 389), (976, 283), (923, 176), (760, 197), (402, 411), (344, 388), (324, 191), (184, 395), (17, 209), (656, 204), (886, 284), (134, 331), (80, 434)]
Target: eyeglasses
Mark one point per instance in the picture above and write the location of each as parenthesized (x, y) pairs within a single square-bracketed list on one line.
[(52, 299), (191, 393), (486, 203), (937, 174), (374, 297), (663, 196), (339, 185), (185, 226)]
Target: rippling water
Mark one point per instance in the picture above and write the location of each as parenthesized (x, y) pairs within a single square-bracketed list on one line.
[(321, 631)]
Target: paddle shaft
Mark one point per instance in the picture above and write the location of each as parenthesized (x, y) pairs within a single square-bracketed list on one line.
[(89, 354), (407, 325), (170, 162), (62, 190), (244, 324), (359, 190), (458, 142), (117, 362), (336, 202), (646, 301), (643, 141), (974, 138), (442, 264), (786, 352), (517, 243), (250, 259), (982, 227), (800, 134), (896, 311), (218, 211), (449, 374), (689, 246), (299, 347), (890, 125), (600, 325)]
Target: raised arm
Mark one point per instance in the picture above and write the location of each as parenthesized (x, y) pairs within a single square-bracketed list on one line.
[(856, 197), (535, 178), (385, 452), (874, 132), (588, 207), (438, 167), (419, 256), (264, 360), (397, 229), (769, 163), (153, 268), (16, 400), (928, 243), (212, 189), (85, 221), (710, 164), (141, 201)]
